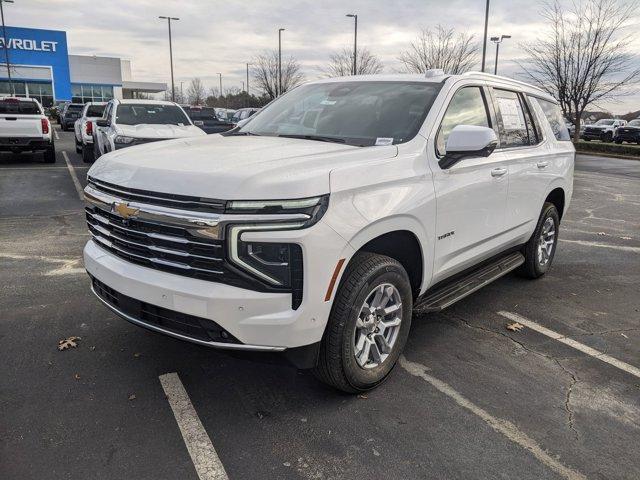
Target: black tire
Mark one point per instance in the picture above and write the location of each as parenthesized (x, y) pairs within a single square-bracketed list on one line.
[(337, 364), (87, 154), (78, 146), (50, 155), (608, 137), (619, 142), (533, 266), (96, 150)]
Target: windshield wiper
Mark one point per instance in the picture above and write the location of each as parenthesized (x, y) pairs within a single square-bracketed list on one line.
[(237, 134), (318, 138)]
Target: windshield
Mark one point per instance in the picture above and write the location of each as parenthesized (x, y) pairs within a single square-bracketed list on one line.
[(135, 114), (355, 113), (95, 110), (634, 123), (75, 106), (604, 122), (20, 107), (202, 114)]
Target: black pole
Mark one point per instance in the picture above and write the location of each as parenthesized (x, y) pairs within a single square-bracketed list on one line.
[(484, 39), (355, 45), (173, 88), (495, 69), (6, 50), (279, 86)]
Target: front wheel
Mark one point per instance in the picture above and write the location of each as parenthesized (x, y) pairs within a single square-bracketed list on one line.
[(368, 325), (541, 247), (608, 137)]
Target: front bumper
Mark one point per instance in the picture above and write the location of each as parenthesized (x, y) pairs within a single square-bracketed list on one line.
[(261, 321), (591, 135), (633, 137)]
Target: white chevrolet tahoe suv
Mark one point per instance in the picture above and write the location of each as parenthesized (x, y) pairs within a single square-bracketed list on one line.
[(83, 129), (126, 123), (317, 228), (25, 128)]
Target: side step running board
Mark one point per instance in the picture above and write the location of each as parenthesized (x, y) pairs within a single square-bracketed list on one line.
[(448, 294)]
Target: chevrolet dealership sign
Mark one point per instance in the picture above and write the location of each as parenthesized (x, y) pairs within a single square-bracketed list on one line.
[(29, 44), (33, 47)]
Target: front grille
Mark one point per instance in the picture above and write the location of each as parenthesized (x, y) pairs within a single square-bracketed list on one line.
[(170, 320), (198, 204), (171, 249)]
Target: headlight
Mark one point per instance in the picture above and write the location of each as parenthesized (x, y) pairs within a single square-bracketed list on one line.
[(278, 264), (123, 140)]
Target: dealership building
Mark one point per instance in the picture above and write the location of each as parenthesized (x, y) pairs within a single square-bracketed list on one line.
[(41, 68)]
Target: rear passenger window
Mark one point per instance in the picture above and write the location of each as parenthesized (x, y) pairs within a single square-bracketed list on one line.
[(467, 107), (512, 125), (554, 116)]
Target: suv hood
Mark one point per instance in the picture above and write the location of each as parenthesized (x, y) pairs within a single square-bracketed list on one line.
[(159, 131), (233, 167)]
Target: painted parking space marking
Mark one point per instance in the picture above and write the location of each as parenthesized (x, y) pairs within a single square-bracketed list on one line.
[(572, 343), (203, 455), (500, 425), (55, 134), (74, 177), (585, 243)]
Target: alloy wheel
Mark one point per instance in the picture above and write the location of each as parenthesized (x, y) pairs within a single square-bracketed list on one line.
[(546, 241)]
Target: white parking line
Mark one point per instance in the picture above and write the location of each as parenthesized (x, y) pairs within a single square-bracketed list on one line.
[(55, 134), (572, 343), (74, 177), (500, 425), (203, 455), (624, 248)]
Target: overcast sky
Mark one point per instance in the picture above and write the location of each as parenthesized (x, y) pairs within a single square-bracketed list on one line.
[(220, 36)]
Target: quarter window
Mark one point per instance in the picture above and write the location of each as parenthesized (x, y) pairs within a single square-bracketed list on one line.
[(512, 125), (554, 116), (467, 107)]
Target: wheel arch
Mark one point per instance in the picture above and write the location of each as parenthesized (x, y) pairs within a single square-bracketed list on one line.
[(557, 197)]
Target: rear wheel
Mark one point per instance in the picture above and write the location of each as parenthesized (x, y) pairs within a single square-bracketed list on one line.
[(368, 325), (541, 248), (50, 155), (78, 146), (87, 153), (608, 137)]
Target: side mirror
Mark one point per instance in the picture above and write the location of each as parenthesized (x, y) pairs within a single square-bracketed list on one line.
[(102, 123), (467, 141)]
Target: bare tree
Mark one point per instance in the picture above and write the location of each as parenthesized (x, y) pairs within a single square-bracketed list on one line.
[(443, 48), (341, 63), (585, 56), (196, 93), (265, 73)]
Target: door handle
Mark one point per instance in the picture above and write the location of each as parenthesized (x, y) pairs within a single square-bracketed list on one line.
[(498, 172), (542, 164)]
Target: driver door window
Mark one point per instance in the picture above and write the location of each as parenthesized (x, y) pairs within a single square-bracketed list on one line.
[(467, 107)]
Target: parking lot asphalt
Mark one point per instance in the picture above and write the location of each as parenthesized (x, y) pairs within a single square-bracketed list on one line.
[(469, 400)]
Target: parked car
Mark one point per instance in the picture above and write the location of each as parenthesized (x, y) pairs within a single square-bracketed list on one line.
[(243, 114), (207, 119), (126, 123), (84, 126), (25, 128), (56, 110), (225, 114), (603, 130), (628, 133), (316, 228), (69, 115)]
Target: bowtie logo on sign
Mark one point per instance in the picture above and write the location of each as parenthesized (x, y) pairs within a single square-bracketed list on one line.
[(29, 44)]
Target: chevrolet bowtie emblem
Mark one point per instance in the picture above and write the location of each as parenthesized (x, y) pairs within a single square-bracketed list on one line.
[(124, 210)]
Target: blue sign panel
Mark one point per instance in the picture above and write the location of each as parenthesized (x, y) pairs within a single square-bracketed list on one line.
[(42, 48)]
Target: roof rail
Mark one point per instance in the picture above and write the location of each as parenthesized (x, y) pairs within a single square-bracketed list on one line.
[(499, 77)]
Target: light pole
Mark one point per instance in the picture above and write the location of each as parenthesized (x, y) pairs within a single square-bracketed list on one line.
[(484, 38), (247, 97), (220, 75), (173, 89), (6, 46), (498, 41), (355, 40), (279, 88)]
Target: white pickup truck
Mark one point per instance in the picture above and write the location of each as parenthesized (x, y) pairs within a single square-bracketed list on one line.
[(315, 229), (84, 126), (25, 128)]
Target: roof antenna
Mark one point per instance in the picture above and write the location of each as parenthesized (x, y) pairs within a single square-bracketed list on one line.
[(434, 72)]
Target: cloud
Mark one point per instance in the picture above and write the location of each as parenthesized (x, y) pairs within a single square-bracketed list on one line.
[(221, 36)]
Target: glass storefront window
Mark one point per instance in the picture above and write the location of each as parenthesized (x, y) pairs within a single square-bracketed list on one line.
[(83, 93)]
